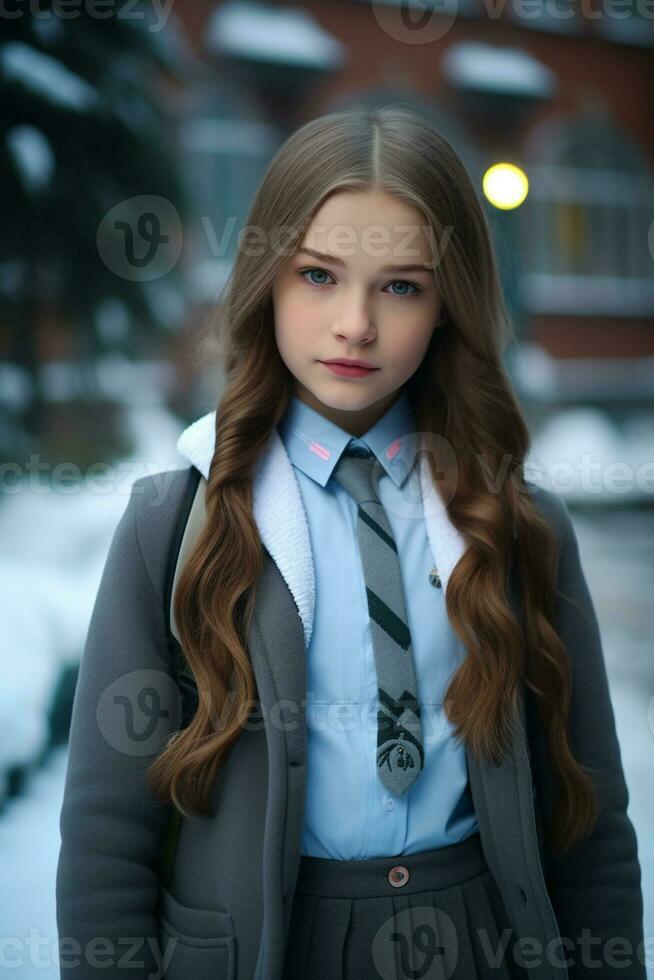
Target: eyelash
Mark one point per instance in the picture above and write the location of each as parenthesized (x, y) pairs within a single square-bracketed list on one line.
[(316, 285)]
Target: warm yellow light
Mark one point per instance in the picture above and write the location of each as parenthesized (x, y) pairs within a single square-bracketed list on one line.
[(505, 185)]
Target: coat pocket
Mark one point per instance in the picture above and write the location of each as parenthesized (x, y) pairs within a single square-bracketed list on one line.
[(196, 943)]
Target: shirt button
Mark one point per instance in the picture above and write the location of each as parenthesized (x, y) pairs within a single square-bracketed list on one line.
[(398, 876), (388, 803)]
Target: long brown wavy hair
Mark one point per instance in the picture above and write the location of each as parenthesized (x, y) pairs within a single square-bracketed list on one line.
[(460, 391)]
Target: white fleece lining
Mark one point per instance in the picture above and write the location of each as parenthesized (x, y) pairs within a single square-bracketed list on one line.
[(282, 521)]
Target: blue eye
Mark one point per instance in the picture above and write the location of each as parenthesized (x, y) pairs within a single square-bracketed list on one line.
[(405, 282), (313, 270), (322, 272)]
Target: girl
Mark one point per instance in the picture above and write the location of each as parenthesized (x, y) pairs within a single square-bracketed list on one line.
[(402, 757)]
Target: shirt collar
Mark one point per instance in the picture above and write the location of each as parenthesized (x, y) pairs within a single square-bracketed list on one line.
[(314, 444)]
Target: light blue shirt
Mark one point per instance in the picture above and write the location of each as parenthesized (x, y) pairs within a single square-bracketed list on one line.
[(349, 812)]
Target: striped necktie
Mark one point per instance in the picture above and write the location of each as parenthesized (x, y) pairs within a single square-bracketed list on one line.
[(400, 754)]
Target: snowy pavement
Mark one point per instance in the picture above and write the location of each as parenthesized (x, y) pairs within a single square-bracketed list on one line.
[(29, 845), (618, 559)]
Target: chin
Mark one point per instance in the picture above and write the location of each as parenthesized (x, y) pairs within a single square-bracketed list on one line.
[(350, 404)]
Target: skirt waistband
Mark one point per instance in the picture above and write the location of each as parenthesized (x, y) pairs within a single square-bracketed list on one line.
[(439, 868)]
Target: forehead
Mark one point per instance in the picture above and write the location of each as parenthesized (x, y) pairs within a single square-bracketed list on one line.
[(374, 225)]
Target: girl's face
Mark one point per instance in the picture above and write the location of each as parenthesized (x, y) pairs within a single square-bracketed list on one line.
[(361, 287)]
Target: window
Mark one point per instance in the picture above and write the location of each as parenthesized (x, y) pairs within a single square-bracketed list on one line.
[(586, 228), (225, 147)]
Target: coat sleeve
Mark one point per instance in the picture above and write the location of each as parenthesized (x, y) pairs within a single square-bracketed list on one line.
[(596, 889), (125, 707)]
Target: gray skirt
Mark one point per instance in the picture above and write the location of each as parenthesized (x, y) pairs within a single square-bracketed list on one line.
[(434, 915)]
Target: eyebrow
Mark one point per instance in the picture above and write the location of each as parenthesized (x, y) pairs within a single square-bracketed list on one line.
[(416, 267)]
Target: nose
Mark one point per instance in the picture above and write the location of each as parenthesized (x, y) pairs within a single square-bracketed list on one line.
[(355, 324)]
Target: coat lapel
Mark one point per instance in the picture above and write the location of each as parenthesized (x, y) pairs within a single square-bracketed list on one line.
[(281, 632)]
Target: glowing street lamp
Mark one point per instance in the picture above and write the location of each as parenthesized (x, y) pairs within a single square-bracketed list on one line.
[(505, 185)]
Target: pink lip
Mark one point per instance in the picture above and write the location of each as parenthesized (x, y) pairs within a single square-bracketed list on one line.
[(349, 362), (348, 370)]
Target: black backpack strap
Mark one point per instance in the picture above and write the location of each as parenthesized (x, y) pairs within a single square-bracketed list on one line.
[(180, 669)]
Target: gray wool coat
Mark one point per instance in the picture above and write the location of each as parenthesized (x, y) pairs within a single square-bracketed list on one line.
[(224, 913)]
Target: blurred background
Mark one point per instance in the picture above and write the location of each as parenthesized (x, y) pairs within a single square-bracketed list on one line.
[(133, 138)]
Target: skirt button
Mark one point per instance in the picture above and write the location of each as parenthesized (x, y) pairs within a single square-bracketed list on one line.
[(398, 876)]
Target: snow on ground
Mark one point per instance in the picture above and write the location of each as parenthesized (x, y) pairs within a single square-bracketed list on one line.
[(29, 844), (54, 545)]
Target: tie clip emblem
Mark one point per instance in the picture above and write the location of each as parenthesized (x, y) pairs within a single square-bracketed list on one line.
[(435, 578)]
